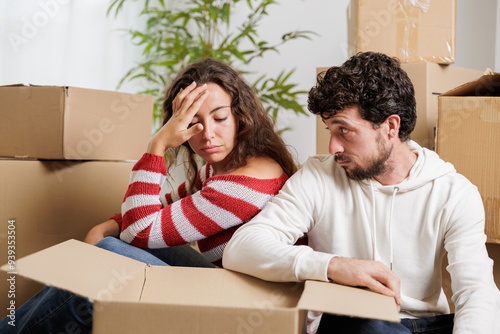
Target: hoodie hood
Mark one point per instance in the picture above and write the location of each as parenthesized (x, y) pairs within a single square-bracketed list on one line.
[(427, 168)]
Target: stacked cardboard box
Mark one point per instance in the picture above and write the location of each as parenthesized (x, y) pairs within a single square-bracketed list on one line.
[(66, 156), (49, 122), (413, 31)]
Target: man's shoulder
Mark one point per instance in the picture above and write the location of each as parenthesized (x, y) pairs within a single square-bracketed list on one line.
[(320, 160), (322, 166)]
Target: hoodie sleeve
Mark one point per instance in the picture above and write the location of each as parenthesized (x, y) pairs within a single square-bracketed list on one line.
[(475, 295), (264, 247)]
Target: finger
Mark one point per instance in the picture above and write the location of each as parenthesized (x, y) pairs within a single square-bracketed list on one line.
[(190, 132), (195, 129), (393, 283), (195, 105), (190, 107), (378, 287), (186, 97), (179, 97)]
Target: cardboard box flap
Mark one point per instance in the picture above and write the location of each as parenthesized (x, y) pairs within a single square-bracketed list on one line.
[(15, 85), (224, 286), (343, 300), (83, 269), (486, 85)]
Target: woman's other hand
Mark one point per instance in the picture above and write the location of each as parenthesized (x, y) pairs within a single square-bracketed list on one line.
[(109, 228)]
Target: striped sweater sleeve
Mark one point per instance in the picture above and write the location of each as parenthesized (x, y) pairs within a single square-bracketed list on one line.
[(225, 201), (182, 191)]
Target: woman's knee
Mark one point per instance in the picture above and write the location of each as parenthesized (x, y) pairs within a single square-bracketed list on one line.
[(109, 243)]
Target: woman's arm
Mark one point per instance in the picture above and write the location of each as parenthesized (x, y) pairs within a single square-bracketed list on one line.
[(109, 228), (225, 201)]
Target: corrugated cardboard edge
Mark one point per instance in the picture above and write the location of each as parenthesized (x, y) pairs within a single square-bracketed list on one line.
[(344, 300)]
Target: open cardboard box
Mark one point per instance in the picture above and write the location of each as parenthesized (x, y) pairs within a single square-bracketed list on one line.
[(131, 297), (468, 136)]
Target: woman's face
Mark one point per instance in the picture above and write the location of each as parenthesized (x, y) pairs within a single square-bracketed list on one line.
[(218, 137)]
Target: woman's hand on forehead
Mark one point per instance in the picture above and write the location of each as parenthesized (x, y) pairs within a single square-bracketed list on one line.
[(177, 130)]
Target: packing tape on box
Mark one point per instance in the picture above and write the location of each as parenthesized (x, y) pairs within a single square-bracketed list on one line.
[(408, 17), (407, 32)]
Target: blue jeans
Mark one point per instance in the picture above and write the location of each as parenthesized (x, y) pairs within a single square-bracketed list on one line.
[(331, 324), (57, 311)]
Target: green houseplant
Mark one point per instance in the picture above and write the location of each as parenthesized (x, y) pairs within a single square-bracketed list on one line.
[(181, 32)]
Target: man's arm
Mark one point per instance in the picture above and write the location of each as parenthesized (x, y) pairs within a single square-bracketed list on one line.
[(476, 298), (264, 247)]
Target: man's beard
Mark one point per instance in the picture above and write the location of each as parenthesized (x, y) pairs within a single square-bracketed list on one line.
[(376, 166)]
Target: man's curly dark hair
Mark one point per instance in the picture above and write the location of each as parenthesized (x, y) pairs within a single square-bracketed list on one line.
[(375, 83)]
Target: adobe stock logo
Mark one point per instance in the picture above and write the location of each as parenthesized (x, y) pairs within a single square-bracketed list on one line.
[(31, 25)]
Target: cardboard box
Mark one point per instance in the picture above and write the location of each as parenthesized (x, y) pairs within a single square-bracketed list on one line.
[(468, 136), (422, 31), (49, 122), (429, 80), (131, 297), (43, 203)]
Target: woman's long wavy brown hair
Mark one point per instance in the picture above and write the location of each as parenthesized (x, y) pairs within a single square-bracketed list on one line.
[(255, 134)]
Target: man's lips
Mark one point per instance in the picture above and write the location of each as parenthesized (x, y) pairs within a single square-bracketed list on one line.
[(342, 160)]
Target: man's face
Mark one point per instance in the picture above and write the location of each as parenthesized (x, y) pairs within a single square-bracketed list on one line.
[(359, 148)]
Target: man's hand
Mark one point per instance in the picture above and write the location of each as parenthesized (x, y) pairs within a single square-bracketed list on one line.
[(109, 228), (373, 275)]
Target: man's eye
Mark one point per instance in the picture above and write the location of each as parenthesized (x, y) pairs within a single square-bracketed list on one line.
[(344, 130)]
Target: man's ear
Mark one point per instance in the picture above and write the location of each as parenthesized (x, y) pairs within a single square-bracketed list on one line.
[(393, 122)]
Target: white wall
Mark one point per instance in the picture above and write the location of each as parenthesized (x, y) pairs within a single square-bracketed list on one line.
[(328, 19), (63, 42), (476, 34), (497, 39)]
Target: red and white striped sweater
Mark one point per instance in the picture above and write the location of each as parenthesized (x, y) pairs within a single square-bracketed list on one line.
[(210, 216)]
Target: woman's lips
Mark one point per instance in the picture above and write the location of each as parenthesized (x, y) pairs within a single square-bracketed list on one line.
[(210, 149)]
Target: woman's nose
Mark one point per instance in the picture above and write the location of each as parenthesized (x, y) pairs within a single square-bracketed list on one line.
[(208, 131)]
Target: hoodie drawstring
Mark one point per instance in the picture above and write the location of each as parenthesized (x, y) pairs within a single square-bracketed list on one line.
[(394, 191), (374, 222)]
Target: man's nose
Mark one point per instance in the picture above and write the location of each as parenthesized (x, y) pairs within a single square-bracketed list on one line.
[(334, 146)]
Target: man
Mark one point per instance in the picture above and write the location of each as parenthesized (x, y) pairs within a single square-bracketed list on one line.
[(380, 212)]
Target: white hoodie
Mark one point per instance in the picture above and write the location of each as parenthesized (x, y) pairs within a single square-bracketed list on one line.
[(409, 227)]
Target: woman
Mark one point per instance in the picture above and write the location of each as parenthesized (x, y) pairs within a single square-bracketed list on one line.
[(213, 113)]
